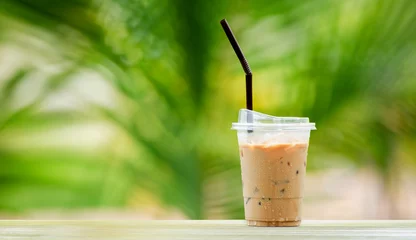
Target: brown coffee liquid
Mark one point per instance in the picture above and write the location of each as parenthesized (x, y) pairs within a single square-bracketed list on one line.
[(273, 178)]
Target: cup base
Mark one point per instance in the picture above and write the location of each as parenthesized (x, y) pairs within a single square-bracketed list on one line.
[(256, 223)]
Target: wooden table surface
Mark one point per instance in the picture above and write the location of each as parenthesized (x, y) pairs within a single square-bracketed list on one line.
[(207, 229)]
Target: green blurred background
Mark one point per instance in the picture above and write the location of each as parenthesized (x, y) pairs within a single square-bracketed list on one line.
[(123, 109)]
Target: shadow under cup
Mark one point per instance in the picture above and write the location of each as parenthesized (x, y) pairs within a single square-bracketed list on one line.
[(273, 155)]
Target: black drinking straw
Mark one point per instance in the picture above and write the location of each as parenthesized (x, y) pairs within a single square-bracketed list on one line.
[(243, 61)]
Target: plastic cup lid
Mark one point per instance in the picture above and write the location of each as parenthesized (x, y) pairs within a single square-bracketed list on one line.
[(251, 120)]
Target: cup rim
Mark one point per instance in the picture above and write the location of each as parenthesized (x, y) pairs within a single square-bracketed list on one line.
[(274, 126)]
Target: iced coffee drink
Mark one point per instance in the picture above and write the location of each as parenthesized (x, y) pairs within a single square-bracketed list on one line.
[(273, 154)]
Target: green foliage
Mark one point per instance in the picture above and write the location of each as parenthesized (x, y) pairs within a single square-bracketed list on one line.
[(176, 87)]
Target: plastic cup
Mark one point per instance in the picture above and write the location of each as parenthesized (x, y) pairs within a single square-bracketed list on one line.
[(273, 155)]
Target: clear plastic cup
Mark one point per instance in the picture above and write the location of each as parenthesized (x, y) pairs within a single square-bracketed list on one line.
[(273, 155)]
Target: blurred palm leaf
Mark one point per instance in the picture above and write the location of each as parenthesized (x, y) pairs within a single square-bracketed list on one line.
[(343, 64)]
